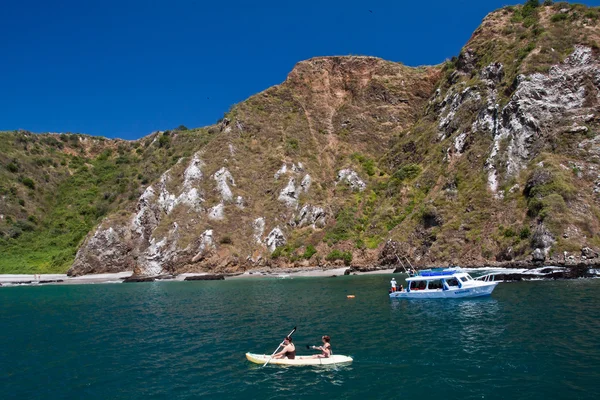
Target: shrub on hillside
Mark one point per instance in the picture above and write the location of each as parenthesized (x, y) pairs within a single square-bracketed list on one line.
[(344, 226), (525, 233), (12, 167), (164, 140), (24, 225), (309, 252), (340, 255), (29, 183), (559, 17), (226, 240), (408, 171)]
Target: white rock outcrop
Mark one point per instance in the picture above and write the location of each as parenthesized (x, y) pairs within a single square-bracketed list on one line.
[(207, 245), (289, 194), (258, 229), (159, 253), (281, 171), (239, 202), (217, 212), (193, 172), (309, 215), (541, 100), (305, 184), (352, 179), (275, 239), (224, 178)]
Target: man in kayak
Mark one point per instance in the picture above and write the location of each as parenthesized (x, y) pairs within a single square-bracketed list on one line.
[(289, 350), (325, 349)]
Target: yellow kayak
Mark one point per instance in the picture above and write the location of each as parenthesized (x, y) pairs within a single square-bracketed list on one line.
[(299, 360)]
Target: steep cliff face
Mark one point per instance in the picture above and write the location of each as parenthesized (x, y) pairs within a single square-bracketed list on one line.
[(272, 180), (510, 170)]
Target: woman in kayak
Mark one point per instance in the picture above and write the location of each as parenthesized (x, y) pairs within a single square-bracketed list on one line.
[(289, 350), (325, 349)]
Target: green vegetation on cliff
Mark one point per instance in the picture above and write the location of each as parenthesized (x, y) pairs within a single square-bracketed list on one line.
[(55, 188)]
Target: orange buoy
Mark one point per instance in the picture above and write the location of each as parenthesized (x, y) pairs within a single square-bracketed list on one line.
[(350, 296)]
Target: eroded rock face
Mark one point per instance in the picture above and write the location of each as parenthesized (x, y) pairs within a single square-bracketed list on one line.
[(158, 257), (541, 101), (275, 239), (224, 178), (305, 184), (309, 216), (588, 253), (281, 171), (217, 212), (538, 255), (206, 247), (352, 179), (106, 250), (542, 239), (289, 194), (148, 214), (258, 228)]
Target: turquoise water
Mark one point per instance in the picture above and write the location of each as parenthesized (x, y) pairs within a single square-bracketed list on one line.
[(177, 340)]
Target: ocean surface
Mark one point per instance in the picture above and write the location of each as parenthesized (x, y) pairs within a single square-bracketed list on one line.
[(178, 340)]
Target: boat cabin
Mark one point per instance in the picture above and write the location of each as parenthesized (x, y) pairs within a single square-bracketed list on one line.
[(444, 280)]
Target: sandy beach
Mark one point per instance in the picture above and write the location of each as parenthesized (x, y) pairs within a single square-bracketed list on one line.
[(62, 279)]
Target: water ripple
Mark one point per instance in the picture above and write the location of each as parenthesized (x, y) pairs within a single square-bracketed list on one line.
[(187, 340)]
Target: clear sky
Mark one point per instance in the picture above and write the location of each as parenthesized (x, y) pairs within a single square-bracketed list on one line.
[(126, 68)]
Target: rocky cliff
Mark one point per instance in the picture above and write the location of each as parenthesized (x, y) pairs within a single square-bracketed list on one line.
[(490, 157), (270, 184)]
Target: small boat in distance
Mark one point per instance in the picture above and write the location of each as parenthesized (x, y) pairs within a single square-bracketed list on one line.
[(299, 360), (443, 285)]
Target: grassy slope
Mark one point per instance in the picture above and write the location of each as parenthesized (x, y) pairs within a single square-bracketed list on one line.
[(76, 183)]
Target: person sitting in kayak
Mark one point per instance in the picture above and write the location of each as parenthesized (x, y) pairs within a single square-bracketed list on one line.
[(289, 350), (325, 349)]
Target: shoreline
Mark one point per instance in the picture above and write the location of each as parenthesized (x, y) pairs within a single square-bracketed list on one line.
[(12, 280)]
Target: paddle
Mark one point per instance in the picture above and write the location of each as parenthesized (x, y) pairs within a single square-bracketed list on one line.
[(280, 344)]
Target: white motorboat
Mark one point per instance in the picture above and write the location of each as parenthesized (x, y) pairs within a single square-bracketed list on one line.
[(443, 285)]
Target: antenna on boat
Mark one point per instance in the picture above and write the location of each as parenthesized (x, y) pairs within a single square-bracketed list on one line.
[(403, 267), (411, 267)]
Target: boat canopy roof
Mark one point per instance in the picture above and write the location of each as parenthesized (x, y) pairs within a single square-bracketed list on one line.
[(433, 275)]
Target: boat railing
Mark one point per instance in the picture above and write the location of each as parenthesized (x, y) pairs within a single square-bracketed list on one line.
[(437, 273)]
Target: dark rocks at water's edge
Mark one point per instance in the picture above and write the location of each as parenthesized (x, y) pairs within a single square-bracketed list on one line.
[(134, 279), (373, 268), (205, 278)]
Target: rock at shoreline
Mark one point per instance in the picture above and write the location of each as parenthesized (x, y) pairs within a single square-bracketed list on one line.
[(205, 278), (133, 279)]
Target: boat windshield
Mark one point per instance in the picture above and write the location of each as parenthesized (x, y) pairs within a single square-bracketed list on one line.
[(452, 282)]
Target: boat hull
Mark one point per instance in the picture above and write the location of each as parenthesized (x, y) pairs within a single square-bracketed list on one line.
[(299, 360), (483, 289)]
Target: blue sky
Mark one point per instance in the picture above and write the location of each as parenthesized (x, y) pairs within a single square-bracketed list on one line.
[(126, 68)]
